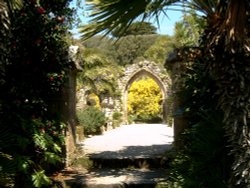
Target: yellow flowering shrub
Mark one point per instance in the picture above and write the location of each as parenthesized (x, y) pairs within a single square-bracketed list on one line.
[(94, 100), (144, 99)]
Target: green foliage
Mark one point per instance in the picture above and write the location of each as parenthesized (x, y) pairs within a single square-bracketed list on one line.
[(158, 51), (132, 118), (83, 162), (117, 115), (130, 48), (101, 44), (144, 99), (91, 119), (125, 51), (7, 164), (203, 160), (116, 119), (107, 16), (189, 30), (40, 179), (33, 74), (231, 72), (136, 28), (99, 72)]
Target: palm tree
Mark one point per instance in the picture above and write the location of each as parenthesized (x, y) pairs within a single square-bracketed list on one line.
[(7, 165), (226, 48), (109, 15), (6, 7), (99, 72)]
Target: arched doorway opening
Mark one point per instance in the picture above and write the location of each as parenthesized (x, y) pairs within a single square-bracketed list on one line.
[(136, 76)]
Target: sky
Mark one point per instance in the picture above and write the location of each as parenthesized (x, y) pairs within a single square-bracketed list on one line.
[(166, 24)]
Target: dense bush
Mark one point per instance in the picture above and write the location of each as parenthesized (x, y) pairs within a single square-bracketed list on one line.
[(144, 100), (117, 119), (117, 115), (203, 160), (91, 118), (33, 74), (93, 100)]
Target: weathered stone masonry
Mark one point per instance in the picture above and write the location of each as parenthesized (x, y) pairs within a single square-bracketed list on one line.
[(135, 71)]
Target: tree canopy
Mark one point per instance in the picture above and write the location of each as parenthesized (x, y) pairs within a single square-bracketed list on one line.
[(161, 48), (136, 28), (188, 30), (131, 48)]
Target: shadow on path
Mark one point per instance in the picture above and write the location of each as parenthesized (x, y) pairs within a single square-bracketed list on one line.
[(119, 178), (130, 157), (134, 152), (133, 156)]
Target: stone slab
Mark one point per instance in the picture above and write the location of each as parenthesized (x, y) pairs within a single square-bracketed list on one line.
[(119, 178)]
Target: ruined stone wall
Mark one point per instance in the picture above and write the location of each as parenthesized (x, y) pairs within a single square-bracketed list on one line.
[(144, 68), (111, 105), (69, 107)]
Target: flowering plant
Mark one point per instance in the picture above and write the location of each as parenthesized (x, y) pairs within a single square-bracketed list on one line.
[(35, 69)]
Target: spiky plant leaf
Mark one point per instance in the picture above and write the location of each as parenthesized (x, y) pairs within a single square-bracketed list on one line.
[(119, 14)]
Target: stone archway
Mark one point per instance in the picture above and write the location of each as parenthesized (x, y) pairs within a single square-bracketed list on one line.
[(144, 68)]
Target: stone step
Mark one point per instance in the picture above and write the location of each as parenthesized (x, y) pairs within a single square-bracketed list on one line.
[(131, 156), (136, 162), (115, 178)]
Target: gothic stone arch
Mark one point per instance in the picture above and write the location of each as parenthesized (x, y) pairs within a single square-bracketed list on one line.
[(152, 70)]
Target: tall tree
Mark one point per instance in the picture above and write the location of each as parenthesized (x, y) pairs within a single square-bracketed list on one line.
[(225, 49), (99, 72), (6, 9), (131, 48), (160, 49), (188, 30)]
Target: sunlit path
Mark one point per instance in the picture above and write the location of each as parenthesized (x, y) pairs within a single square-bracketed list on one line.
[(135, 140), (128, 156)]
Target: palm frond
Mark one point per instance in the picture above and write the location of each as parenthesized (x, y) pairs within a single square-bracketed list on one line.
[(7, 162), (4, 16), (107, 15), (206, 7), (14, 4), (6, 7)]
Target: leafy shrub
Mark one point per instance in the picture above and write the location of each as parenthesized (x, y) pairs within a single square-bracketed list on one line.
[(131, 118), (91, 119), (117, 119), (144, 99), (155, 119), (203, 160), (93, 100), (117, 116), (34, 69)]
